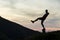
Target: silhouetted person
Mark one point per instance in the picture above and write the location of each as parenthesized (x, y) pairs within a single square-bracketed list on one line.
[(42, 18)]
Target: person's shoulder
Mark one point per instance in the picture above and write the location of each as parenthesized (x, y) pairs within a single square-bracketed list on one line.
[(48, 12)]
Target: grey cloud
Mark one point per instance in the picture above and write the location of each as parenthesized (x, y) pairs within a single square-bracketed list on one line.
[(8, 3), (32, 15), (54, 1), (54, 21)]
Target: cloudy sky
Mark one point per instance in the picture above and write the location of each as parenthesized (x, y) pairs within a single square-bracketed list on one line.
[(22, 11)]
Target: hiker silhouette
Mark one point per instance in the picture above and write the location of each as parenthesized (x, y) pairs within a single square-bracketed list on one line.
[(42, 18)]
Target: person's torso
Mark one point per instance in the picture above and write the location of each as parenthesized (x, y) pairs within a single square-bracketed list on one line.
[(45, 15)]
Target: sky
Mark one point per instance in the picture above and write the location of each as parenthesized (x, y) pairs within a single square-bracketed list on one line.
[(23, 11)]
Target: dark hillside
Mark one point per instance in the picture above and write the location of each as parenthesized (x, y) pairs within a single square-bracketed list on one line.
[(13, 30), (54, 35)]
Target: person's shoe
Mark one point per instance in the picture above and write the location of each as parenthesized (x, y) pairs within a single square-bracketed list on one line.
[(44, 30), (32, 21)]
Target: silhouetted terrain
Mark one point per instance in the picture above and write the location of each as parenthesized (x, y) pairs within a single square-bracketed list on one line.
[(55, 35), (13, 31)]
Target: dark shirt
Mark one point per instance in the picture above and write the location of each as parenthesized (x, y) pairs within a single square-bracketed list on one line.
[(45, 15)]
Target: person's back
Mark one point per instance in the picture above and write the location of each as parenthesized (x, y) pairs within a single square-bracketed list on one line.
[(45, 15)]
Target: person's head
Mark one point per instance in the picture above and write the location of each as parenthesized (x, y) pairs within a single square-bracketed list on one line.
[(46, 10)]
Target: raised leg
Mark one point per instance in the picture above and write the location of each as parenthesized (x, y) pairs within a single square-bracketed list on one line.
[(36, 20)]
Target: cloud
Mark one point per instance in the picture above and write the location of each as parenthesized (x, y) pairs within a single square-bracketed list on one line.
[(22, 11)]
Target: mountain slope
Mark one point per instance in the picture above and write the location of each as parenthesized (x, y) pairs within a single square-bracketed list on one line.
[(13, 30)]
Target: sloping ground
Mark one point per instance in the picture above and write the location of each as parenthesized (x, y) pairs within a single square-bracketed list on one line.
[(14, 31), (55, 35)]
